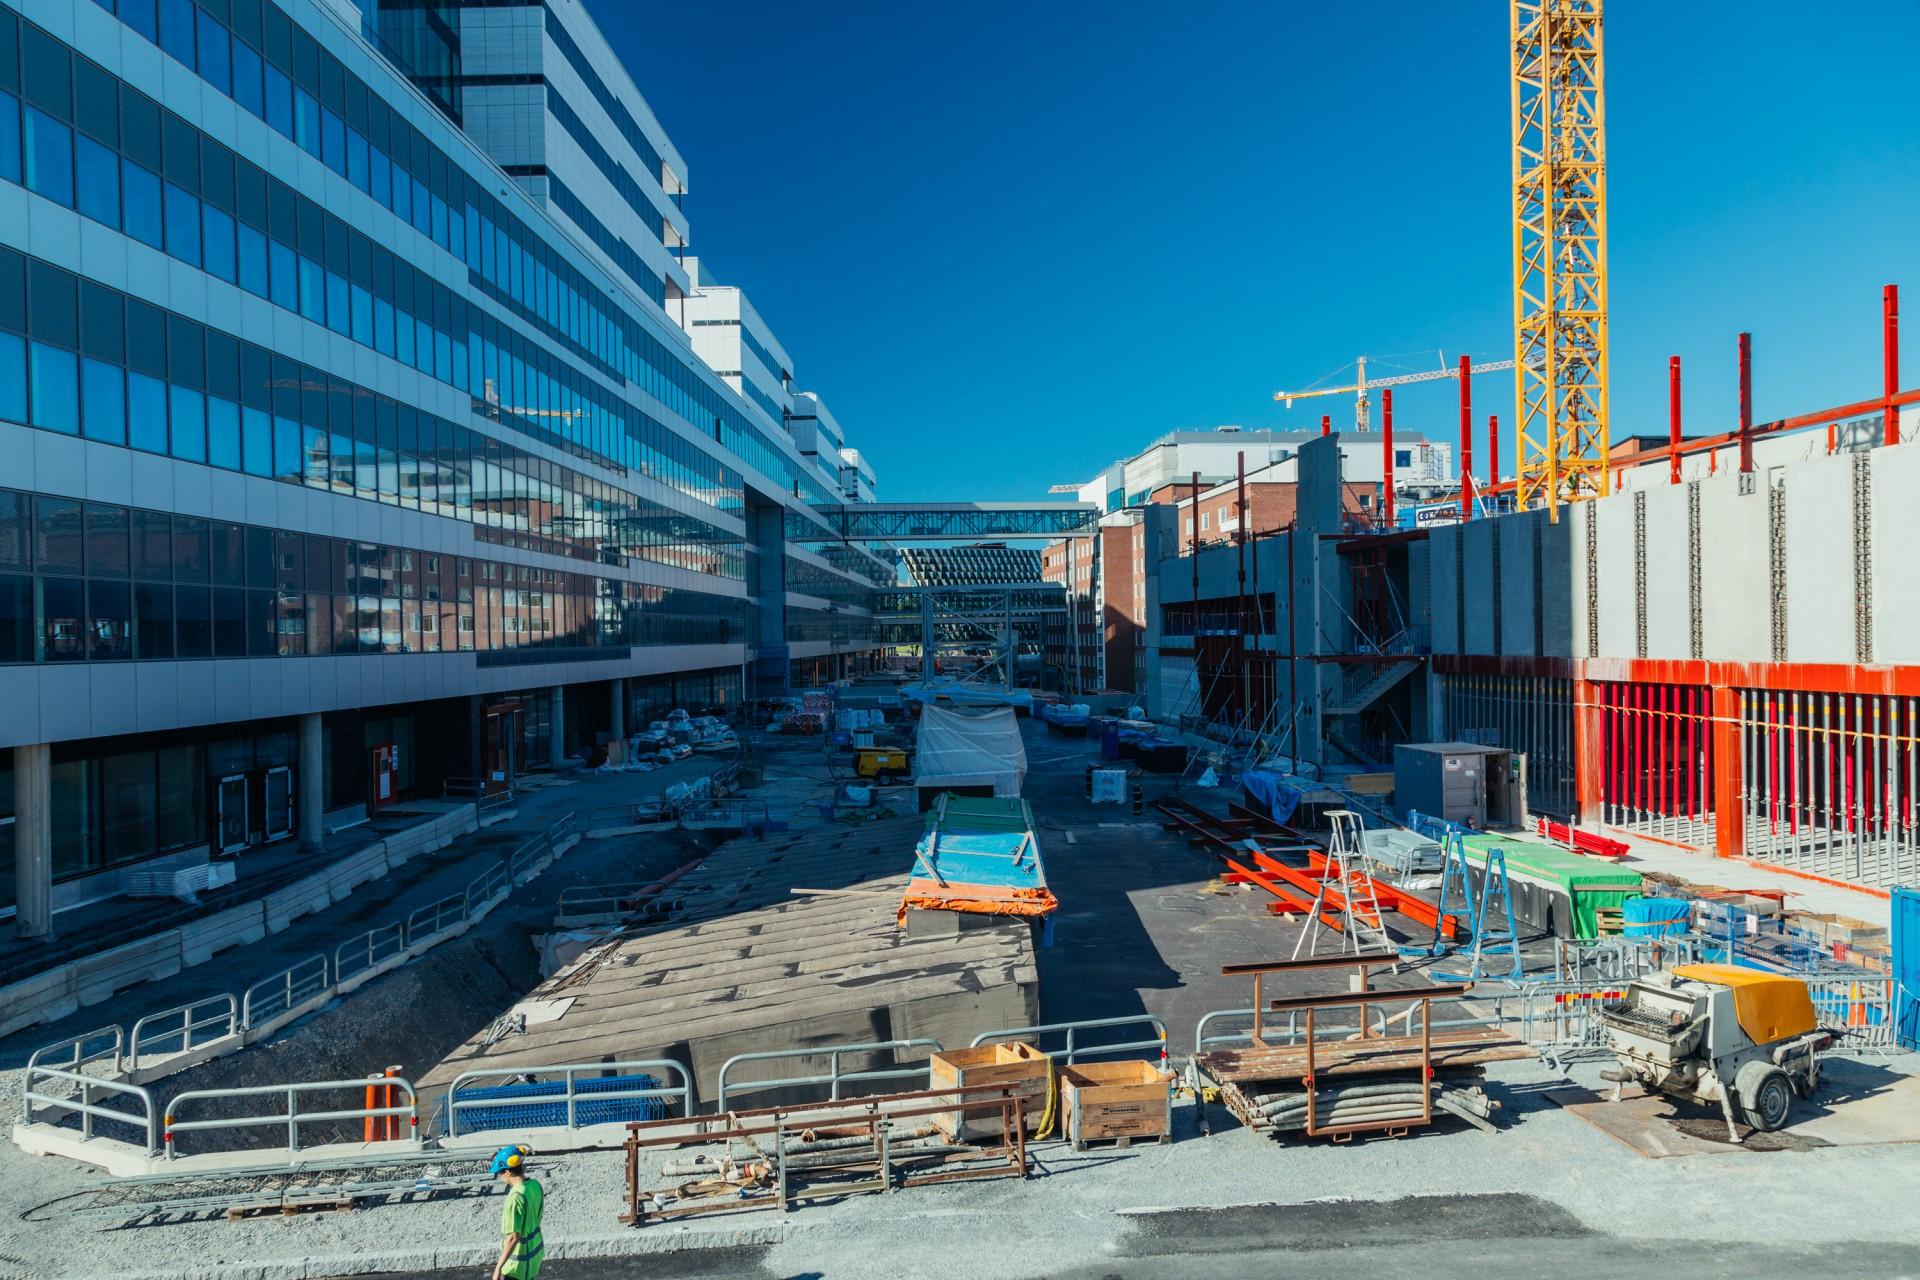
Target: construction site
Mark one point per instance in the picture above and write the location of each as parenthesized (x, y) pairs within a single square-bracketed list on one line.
[(1309, 851)]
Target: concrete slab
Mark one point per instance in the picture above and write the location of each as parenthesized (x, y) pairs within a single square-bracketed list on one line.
[(1858, 1103)]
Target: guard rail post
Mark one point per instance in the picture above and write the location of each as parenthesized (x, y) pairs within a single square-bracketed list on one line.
[(834, 1077), (1085, 1024)]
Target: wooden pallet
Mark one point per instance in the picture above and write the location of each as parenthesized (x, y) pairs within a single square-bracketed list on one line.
[(1121, 1142), (289, 1208), (1450, 1050)]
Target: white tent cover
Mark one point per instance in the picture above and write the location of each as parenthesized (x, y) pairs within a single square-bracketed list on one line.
[(970, 748)]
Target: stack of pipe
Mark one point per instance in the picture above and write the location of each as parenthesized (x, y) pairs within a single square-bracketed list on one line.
[(1351, 1104)]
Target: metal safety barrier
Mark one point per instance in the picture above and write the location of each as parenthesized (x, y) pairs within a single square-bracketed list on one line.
[(436, 918), (834, 1077), (1272, 1032), (365, 951), (102, 1044), (284, 991), (572, 1076), (1073, 1050), (589, 901), (485, 887), (1620, 959), (293, 1117), (180, 1028), (80, 1101)]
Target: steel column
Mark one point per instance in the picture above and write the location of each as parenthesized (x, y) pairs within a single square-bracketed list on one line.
[(1673, 419), (1466, 438), (1890, 357), (1386, 458), (1729, 837), (1746, 403)]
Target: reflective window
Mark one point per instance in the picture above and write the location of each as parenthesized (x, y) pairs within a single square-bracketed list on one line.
[(98, 171), (279, 95), (13, 378), (109, 620), (223, 433), (141, 191), (256, 430), (252, 248), (9, 137), (153, 619), (49, 158), (247, 89), (183, 224), (215, 61), (176, 29), (187, 410), (55, 389), (217, 244), (103, 400), (146, 413)]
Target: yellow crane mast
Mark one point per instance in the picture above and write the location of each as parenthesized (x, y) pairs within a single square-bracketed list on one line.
[(1559, 252)]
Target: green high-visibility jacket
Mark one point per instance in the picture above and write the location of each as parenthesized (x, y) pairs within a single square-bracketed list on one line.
[(520, 1216)]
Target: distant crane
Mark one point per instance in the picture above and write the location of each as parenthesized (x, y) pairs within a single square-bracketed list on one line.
[(1361, 407)]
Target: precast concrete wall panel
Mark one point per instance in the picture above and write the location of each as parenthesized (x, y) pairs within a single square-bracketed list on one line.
[(1733, 571), (1562, 581), (1518, 607), (1669, 603), (1819, 558), (1476, 586), (1443, 557), (1896, 535), (1574, 524), (1617, 577)]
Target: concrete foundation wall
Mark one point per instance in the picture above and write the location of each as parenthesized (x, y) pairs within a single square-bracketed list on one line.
[(1733, 570), (1668, 601), (1476, 582), (1617, 582), (1558, 586), (1518, 607), (1443, 591), (1819, 546)]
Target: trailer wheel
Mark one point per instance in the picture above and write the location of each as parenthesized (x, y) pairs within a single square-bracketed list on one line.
[(1766, 1098), (886, 777)]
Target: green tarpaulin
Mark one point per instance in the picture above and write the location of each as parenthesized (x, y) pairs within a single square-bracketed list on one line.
[(1590, 884)]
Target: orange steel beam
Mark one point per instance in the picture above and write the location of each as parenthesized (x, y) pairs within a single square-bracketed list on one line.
[(1288, 899)]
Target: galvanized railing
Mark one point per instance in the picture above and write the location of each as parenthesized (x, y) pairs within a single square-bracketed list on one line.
[(365, 951), (284, 991), (180, 1028), (103, 1044), (293, 1117), (80, 1101), (586, 901), (487, 886), (1072, 1051), (572, 1076), (727, 1088), (435, 918), (1858, 1005)]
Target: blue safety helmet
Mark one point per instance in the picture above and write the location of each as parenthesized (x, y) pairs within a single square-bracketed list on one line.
[(510, 1159)]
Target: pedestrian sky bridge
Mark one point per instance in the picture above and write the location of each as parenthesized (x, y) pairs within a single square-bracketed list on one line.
[(943, 521)]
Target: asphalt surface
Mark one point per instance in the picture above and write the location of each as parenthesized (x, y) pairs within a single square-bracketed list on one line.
[(1489, 1237)]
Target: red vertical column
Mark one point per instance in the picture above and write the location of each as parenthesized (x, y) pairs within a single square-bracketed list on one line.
[(1746, 402), (1729, 835), (1386, 457), (1695, 698), (1673, 419), (1493, 450), (1466, 439), (1326, 424), (1589, 751), (1773, 764), (1792, 754), (1666, 750), (1890, 357)]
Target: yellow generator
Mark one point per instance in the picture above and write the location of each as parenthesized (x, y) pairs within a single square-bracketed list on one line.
[(1718, 1033), (884, 765)]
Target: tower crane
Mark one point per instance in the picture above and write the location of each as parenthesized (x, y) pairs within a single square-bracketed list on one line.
[(1560, 252), (1362, 385)]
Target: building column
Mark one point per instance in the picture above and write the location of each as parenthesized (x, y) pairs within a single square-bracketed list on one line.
[(313, 804), (33, 841), (617, 722), (1729, 819), (1588, 757), (557, 745)]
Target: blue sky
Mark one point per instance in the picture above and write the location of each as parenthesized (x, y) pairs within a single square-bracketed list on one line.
[(1009, 243)]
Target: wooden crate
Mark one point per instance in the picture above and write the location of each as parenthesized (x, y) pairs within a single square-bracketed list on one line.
[(1119, 1102), (1014, 1063)]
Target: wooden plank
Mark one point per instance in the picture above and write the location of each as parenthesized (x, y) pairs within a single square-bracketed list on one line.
[(1451, 1050), (1366, 959), (1373, 995)]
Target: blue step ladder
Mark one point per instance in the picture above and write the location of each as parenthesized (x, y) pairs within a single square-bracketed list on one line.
[(1488, 917)]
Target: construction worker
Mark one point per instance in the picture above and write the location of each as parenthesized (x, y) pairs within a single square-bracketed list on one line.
[(520, 1244)]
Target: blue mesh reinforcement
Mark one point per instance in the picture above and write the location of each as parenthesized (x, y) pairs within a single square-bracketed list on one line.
[(542, 1104)]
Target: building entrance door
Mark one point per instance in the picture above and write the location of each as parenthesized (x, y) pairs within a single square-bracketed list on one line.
[(278, 808), (230, 806)]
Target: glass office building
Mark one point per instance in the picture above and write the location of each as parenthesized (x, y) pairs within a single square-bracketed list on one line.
[(351, 443)]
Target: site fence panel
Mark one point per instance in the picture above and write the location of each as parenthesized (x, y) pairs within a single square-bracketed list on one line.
[(584, 1093), (355, 1117), (1860, 1005), (1073, 1050), (834, 1076), (284, 991), (436, 918), (55, 1095), (526, 861), (180, 1029), (364, 951)]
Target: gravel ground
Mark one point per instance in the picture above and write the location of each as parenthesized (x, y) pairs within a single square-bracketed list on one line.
[(1076, 1212)]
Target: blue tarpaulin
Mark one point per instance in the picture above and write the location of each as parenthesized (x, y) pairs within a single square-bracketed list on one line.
[(1266, 787)]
